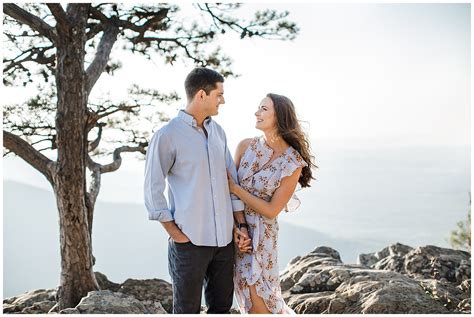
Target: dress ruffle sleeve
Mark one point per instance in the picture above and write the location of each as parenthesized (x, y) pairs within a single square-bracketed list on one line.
[(293, 161)]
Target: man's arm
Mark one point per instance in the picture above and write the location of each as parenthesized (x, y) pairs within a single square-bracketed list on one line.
[(174, 232), (237, 204), (241, 236), (159, 160), (239, 217)]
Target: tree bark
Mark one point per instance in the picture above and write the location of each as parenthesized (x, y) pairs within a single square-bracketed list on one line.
[(69, 183), (93, 192)]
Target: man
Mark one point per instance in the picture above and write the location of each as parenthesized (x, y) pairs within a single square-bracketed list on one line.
[(191, 152)]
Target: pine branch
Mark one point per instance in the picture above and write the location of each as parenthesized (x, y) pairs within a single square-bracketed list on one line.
[(34, 22), (28, 153)]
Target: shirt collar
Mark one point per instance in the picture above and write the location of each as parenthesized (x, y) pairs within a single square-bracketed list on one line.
[(189, 119)]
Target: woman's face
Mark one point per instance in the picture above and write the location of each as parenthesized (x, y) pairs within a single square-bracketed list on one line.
[(266, 116)]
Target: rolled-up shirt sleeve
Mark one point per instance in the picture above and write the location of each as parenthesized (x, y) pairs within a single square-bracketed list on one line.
[(159, 160), (237, 204)]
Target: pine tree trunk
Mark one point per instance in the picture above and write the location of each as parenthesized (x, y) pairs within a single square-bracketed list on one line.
[(90, 219), (77, 276)]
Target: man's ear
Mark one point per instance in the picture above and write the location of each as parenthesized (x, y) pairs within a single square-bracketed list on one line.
[(201, 94)]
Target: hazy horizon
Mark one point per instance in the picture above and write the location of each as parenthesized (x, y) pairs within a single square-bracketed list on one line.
[(360, 202)]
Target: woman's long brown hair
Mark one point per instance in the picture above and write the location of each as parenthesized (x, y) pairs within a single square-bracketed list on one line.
[(290, 130)]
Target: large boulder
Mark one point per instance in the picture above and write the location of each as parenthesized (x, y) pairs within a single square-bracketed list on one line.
[(301, 264), (104, 283), (392, 254), (155, 294), (108, 302), (34, 302), (423, 262), (382, 283), (443, 273)]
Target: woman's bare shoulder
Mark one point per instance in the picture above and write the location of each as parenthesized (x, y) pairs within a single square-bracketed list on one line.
[(243, 145), (245, 142)]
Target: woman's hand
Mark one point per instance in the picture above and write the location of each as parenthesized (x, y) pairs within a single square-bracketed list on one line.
[(232, 185), (242, 240)]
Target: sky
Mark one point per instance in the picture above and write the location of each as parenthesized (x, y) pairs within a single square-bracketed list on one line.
[(378, 74)]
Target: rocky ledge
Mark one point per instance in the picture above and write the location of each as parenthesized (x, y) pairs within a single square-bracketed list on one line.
[(153, 296), (397, 279)]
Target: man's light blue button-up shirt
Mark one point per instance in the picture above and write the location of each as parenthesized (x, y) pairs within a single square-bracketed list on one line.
[(195, 166)]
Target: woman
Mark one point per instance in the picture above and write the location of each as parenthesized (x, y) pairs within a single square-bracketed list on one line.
[(269, 168)]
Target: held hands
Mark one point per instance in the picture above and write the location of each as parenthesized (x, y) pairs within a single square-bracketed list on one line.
[(242, 240)]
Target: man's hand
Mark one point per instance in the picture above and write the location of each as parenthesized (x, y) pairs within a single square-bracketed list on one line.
[(242, 240), (174, 232), (180, 237)]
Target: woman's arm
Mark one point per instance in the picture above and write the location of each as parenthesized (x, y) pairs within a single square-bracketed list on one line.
[(239, 151), (280, 198)]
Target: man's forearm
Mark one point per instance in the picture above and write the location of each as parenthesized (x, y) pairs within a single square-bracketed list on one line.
[(239, 217), (173, 231)]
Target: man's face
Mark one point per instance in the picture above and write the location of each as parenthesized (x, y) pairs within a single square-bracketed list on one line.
[(212, 101)]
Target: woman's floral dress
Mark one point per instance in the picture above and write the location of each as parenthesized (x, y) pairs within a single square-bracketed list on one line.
[(260, 268)]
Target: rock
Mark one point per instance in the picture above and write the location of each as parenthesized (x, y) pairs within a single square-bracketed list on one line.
[(422, 262), (311, 303), (294, 260), (399, 296), (446, 293), (337, 306), (54, 309), (397, 279), (104, 282), (108, 302), (439, 263), (299, 266), (231, 311), (465, 306), (42, 307), (151, 293), (326, 251), (367, 259), (133, 296), (466, 286), (395, 250), (33, 302), (70, 311)]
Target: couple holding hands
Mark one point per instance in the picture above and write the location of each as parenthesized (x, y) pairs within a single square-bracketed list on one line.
[(214, 199)]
